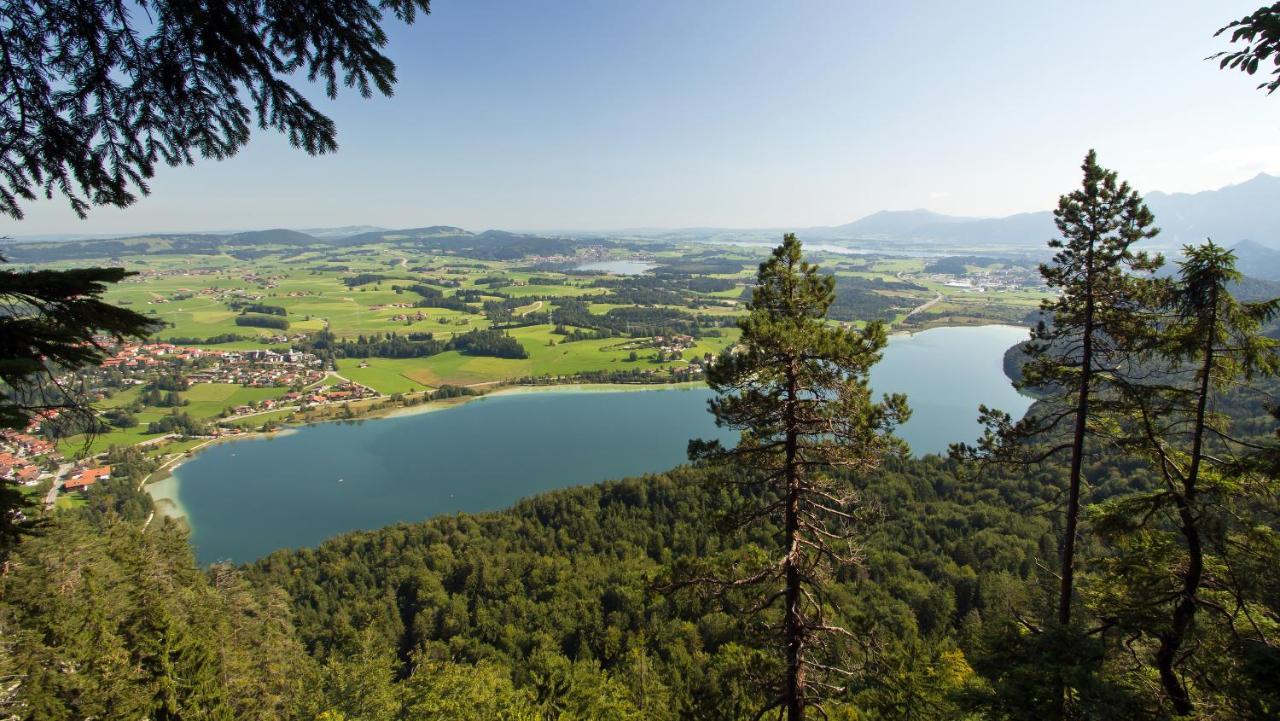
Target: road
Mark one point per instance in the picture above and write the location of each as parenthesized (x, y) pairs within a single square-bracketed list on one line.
[(925, 306), (51, 497)]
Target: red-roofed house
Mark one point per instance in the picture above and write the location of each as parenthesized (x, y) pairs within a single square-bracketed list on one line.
[(86, 478)]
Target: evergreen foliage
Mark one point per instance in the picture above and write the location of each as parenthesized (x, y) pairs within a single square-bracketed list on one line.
[(262, 321), (94, 99), (1175, 543), (1096, 329), (798, 391)]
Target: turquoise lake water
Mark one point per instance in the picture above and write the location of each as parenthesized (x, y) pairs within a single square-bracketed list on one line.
[(247, 498)]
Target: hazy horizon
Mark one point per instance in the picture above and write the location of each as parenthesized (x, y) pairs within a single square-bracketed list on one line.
[(585, 117)]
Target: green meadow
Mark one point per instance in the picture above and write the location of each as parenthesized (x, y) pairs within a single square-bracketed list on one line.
[(198, 297)]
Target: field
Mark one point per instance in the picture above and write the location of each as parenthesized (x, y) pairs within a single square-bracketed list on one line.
[(205, 401), (385, 375), (369, 292)]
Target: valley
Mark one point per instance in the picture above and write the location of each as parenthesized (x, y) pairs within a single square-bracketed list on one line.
[(295, 329), (318, 481)]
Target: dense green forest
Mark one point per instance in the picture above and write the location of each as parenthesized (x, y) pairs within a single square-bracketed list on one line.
[(1110, 555), (552, 610), (555, 602)]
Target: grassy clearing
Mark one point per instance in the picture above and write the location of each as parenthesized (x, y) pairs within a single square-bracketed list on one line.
[(545, 359), (67, 501), (207, 400), (385, 375)]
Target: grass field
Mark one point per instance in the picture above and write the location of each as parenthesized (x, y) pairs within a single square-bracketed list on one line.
[(545, 359), (385, 375), (205, 401), (198, 296), (67, 501)]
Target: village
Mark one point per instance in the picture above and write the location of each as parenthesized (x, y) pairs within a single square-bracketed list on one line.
[(981, 280), (262, 368), (28, 460)]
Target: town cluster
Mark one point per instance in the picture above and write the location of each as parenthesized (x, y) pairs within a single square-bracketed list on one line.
[(1012, 278), (262, 368), (674, 344), (22, 457), (313, 397), (26, 460)]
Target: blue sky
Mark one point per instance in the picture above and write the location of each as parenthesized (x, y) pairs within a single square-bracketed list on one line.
[(597, 114)]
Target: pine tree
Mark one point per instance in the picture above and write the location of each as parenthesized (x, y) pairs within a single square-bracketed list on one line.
[(797, 390), (96, 95), (1210, 346), (1090, 336), (1094, 322)]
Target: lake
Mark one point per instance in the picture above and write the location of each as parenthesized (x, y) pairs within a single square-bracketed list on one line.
[(880, 249), (619, 267), (247, 498)]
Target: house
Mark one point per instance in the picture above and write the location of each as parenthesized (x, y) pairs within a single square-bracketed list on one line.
[(86, 478), (28, 475)]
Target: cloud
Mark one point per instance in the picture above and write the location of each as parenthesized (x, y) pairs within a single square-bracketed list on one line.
[(939, 194)]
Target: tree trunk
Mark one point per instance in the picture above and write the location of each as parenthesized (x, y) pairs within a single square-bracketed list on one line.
[(793, 630), (1077, 452), (1184, 613), (1066, 589)]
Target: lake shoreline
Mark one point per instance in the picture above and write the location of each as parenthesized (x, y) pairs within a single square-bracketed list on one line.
[(164, 488), (169, 506), (520, 445)]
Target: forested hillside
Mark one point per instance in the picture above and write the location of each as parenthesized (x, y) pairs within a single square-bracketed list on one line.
[(557, 608), (560, 598)]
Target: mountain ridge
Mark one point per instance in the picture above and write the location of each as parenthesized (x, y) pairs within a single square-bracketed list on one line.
[(1249, 210), (1243, 211)]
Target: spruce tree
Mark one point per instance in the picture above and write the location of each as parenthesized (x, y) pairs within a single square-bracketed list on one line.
[(797, 389), (1210, 349)]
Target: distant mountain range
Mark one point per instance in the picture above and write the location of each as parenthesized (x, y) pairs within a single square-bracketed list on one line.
[(1246, 211)]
